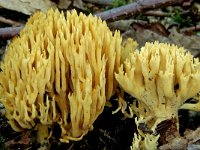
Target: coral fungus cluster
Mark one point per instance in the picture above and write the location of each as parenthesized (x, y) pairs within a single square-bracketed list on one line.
[(59, 70), (161, 77), (63, 69), (158, 76)]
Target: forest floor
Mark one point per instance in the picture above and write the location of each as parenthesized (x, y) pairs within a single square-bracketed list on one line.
[(176, 23)]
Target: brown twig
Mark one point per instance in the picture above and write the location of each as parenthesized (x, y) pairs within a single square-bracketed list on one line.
[(9, 32), (9, 21), (190, 29), (156, 13), (135, 8), (100, 2)]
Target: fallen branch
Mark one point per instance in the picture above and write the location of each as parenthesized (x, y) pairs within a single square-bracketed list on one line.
[(9, 32), (100, 2), (9, 21), (156, 13), (135, 8), (190, 29)]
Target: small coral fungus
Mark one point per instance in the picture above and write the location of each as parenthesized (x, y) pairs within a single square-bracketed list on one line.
[(161, 77), (59, 70)]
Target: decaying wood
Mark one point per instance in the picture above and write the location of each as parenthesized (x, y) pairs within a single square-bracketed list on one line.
[(135, 8), (9, 32)]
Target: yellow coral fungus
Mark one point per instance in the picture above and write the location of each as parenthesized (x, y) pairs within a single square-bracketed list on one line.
[(59, 70), (128, 46), (149, 142), (193, 106), (162, 77)]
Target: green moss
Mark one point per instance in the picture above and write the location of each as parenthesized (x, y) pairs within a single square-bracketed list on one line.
[(179, 18), (117, 3)]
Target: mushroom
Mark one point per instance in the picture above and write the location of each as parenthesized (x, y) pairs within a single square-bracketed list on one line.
[(59, 70), (161, 77)]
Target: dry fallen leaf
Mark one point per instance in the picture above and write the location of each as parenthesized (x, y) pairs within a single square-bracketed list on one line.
[(79, 4), (143, 36), (122, 25), (64, 4), (27, 6), (190, 141), (190, 43), (23, 139)]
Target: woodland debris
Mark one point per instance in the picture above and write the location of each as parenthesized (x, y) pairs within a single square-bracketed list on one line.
[(100, 2), (190, 29), (9, 21), (27, 7), (135, 8), (9, 32), (156, 13)]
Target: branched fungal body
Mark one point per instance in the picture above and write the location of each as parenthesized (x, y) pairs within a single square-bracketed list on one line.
[(59, 70), (162, 77)]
